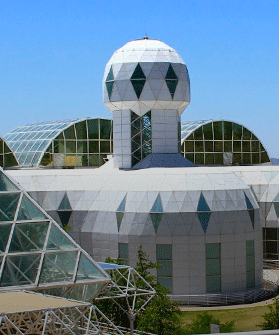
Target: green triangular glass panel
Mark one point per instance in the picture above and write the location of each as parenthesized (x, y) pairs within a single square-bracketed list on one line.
[(4, 236), (58, 267), (6, 184), (110, 75), (252, 216), (84, 292), (65, 203), (172, 86), (156, 219), (8, 206), (157, 206), (29, 211), (28, 236), (121, 207), (138, 73), (109, 85), (87, 270), (138, 86), (202, 205), (248, 202), (276, 199), (64, 217), (276, 206), (57, 240), (171, 74), (20, 270), (204, 218), (119, 217)]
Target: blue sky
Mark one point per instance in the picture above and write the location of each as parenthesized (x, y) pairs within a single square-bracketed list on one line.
[(53, 54)]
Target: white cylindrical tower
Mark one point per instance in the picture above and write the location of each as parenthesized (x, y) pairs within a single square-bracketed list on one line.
[(146, 87)]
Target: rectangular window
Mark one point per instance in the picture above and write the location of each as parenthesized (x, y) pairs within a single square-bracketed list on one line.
[(250, 264), (164, 258), (213, 267), (123, 253)]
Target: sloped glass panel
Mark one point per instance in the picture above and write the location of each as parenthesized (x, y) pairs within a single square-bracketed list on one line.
[(157, 206), (204, 218), (4, 236), (202, 205), (138, 86), (58, 267), (84, 292), (28, 236), (29, 211), (121, 207), (110, 75), (119, 218), (156, 219), (58, 241), (64, 217), (65, 203), (6, 184), (8, 206), (20, 270), (87, 270), (138, 73), (172, 86), (109, 86), (171, 74), (248, 202)]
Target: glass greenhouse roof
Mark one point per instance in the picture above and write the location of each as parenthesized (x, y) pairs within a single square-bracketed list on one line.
[(30, 141), (36, 254), (189, 126)]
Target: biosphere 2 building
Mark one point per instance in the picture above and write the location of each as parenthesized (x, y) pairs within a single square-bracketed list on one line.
[(202, 224)]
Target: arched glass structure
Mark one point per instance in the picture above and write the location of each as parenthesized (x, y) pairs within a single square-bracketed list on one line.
[(221, 142), (7, 158), (66, 143)]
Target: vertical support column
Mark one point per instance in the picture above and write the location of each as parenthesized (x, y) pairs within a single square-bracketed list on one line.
[(122, 139), (165, 135)]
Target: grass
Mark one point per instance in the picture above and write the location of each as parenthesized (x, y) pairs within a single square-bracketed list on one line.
[(245, 319)]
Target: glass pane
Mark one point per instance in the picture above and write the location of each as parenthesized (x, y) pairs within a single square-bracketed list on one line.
[(93, 146), (199, 146), (164, 251), (58, 267), (28, 211), (93, 129), (198, 134), (250, 263), (70, 133), (217, 130), (123, 250), (70, 147), (250, 279), (228, 146), (218, 146), (105, 129), (207, 131), (8, 206), (227, 130), (20, 270), (28, 236), (213, 250), (218, 159), (87, 270), (246, 134), (165, 269), (166, 282), (213, 267), (209, 159), (237, 132), (81, 147), (6, 184), (81, 130), (255, 146), (271, 247), (83, 292), (65, 203), (199, 159), (208, 146), (213, 284), (271, 233), (4, 236), (250, 247), (94, 160), (58, 240), (105, 147)]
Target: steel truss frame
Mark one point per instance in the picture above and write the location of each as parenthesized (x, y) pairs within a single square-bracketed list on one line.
[(76, 320)]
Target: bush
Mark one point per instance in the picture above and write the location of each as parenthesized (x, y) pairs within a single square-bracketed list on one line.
[(271, 319)]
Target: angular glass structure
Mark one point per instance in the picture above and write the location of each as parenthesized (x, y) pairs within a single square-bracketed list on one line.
[(36, 254), (221, 142), (7, 158), (66, 143)]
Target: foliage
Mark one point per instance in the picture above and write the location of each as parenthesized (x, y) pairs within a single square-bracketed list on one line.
[(201, 325), (271, 319), (161, 316), (144, 265)]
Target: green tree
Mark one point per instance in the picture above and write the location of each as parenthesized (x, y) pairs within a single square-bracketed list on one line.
[(271, 319), (161, 316), (201, 325)]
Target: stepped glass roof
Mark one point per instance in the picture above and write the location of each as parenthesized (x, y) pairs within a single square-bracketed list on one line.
[(36, 254)]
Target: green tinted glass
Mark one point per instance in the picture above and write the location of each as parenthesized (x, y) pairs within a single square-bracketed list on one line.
[(8, 206), (6, 184), (164, 251), (58, 240), (213, 284), (213, 250), (28, 210), (87, 270), (4, 236)]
